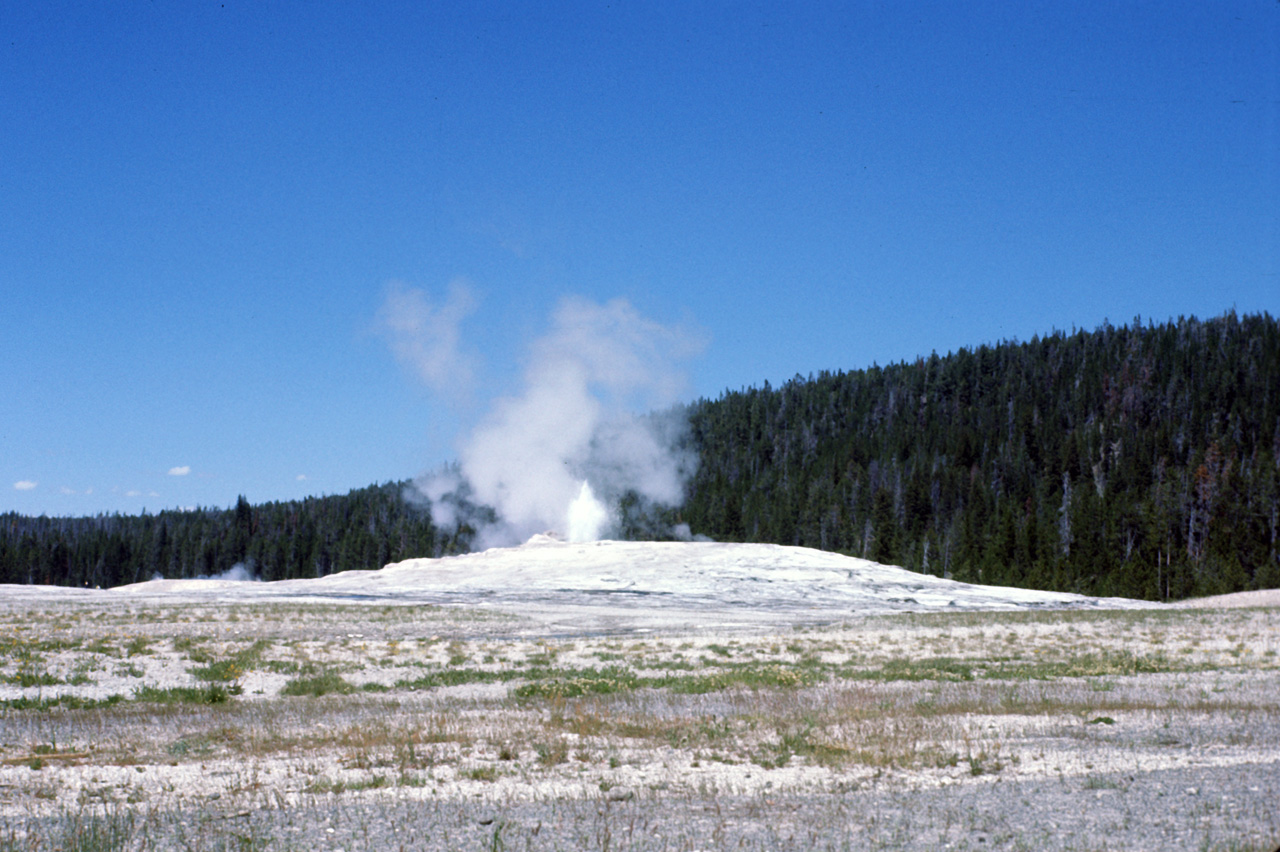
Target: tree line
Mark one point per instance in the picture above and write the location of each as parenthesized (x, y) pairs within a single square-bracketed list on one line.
[(1141, 461), (274, 541)]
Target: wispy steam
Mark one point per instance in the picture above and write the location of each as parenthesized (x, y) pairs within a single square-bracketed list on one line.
[(561, 454), (427, 337), (241, 572)]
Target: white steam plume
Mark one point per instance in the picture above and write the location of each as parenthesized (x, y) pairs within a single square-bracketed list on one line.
[(427, 338), (559, 455)]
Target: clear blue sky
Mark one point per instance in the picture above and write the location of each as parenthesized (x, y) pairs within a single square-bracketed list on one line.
[(203, 206)]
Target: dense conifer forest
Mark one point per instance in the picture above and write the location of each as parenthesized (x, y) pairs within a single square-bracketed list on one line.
[(274, 541), (1141, 461)]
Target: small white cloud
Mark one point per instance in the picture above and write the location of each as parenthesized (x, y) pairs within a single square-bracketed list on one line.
[(180, 471), (302, 477), (153, 494), (133, 493), (25, 484), (65, 490)]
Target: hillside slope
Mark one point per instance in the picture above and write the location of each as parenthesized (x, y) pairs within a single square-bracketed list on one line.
[(1141, 461)]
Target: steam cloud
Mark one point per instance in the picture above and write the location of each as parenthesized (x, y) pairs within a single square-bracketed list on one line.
[(241, 572), (426, 337), (560, 455)]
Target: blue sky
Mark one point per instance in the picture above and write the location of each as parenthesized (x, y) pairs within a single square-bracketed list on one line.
[(205, 207)]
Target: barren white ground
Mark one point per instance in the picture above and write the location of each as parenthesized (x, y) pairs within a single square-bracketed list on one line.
[(786, 689), (631, 584)]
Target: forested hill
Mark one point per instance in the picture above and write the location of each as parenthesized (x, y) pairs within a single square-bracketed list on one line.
[(1141, 461)]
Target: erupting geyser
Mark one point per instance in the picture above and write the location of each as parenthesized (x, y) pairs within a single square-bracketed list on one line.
[(587, 517), (524, 466)]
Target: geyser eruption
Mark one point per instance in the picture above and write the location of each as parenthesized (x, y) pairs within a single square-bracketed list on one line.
[(559, 455), (588, 517)]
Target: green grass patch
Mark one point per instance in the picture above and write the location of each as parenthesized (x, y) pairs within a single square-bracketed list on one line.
[(28, 678), (17, 647), (746, 677), (581, 682), (317, 685), (289, 667), (234, 667), (190, 646), (927, 668), (1101, 664), (65, 702), (457, 677), (102, 646), (219, 671), (214, 693), (329, 785), (1104, 664)]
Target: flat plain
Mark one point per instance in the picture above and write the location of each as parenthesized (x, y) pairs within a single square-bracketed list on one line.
[(197, 723)]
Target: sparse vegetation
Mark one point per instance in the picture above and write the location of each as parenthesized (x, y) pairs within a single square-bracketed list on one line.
[(451, 707)]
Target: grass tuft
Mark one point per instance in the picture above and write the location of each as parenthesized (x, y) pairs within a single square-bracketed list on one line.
[(317, 685), (214, 693)]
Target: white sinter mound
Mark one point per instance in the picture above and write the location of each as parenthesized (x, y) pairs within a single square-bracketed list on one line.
[(616, 583)]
